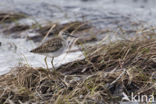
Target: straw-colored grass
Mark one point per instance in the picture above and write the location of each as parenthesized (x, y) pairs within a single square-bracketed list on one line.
[(10, 17), (106, 72)]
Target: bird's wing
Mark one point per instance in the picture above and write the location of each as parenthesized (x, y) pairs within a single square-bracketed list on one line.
[(51, 45)]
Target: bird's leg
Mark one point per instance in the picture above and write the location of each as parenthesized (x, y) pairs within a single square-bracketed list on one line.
[(45, 60), (52, 60)]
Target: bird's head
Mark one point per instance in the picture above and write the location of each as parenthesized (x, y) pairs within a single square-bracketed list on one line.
[(65, 35)]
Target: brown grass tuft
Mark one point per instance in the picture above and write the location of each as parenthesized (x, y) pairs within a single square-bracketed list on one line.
[(11, 17), (106, 72)]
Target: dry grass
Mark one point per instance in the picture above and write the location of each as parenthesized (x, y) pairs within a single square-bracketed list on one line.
[(11, 17), (16, 29), (71, 27), (107, 71)]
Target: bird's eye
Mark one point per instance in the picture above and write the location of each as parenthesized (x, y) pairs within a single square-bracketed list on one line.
[(68, 42)]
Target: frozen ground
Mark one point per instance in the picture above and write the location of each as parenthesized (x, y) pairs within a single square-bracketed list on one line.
[(16, 51)]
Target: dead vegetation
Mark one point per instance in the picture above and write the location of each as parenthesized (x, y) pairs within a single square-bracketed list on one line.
[(74, 28), (81, 29), (70, 27), (16, 29), (85, 31), (106, 72), (11, 17)]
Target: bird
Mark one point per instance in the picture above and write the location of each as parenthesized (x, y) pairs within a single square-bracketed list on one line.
[(53, 47)]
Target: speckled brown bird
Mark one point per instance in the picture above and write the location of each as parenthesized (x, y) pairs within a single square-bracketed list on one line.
[(53, 47)]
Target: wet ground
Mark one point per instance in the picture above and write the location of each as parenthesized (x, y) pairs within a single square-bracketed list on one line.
[(112, 15)]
